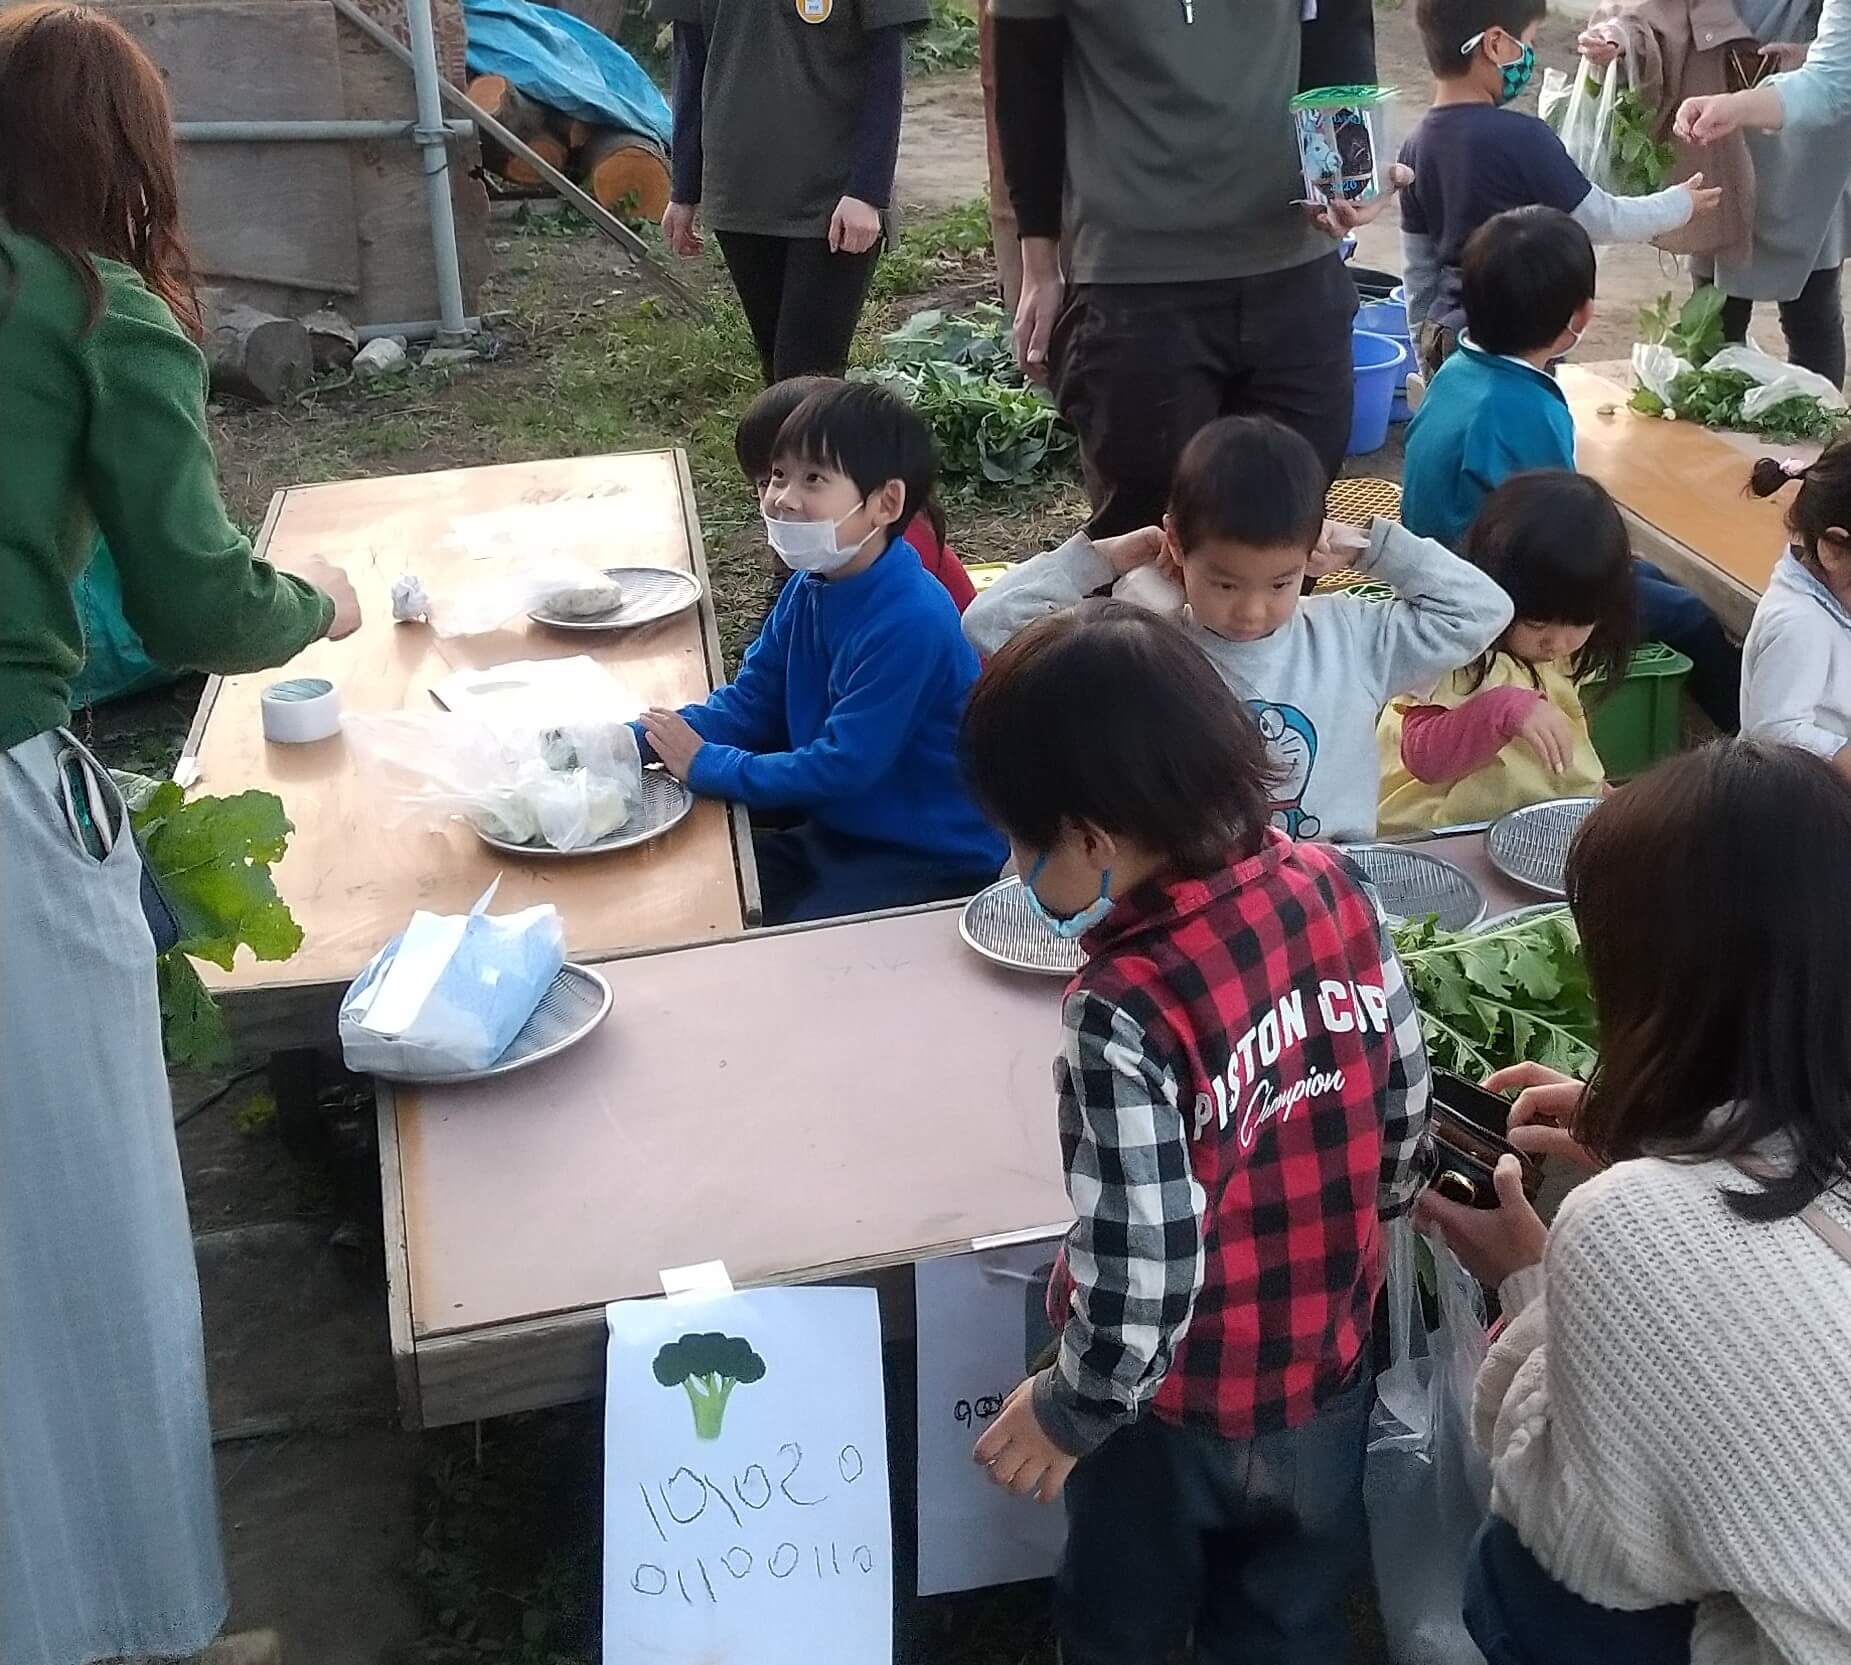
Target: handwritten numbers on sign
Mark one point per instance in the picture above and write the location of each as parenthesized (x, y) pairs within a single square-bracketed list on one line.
[(745, 1481)]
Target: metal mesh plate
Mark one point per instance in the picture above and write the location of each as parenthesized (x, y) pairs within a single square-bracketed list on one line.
[(1520, 916), (1413, 885), (576, 1004), (666, 803), (1358, 501), (999, 924), (1530, 845), (649, 594)]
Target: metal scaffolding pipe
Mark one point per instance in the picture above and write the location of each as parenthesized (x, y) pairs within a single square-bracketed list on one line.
[(308, 132), (423, 329), (431, 134)]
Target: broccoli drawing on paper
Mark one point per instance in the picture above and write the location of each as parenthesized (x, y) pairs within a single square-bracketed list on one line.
[(708, 1367)]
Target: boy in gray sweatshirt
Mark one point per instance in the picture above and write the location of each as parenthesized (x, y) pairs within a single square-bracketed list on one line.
[(1245, 524)]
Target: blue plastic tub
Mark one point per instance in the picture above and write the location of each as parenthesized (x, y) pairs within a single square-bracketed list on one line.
[(1390, 318), (1379, 361)]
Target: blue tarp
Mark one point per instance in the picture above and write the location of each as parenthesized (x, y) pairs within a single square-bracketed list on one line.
[(564, 64)]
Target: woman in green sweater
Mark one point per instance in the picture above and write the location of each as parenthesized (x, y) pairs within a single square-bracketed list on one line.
[(109, 1541)]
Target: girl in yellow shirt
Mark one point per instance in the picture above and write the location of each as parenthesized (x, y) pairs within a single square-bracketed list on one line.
[(1509, 729)]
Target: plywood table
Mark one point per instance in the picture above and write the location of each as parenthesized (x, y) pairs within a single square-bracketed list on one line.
[(805, 1103), (350, 882), (820, 1102), (1680, 488)]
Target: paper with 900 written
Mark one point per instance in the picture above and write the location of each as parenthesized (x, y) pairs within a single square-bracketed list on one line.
[(745, 1481), (975, 1329)]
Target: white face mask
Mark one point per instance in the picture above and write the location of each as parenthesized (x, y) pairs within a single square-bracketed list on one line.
[(810, 545)]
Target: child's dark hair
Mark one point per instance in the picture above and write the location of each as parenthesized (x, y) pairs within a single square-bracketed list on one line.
[(1556, 544), (1106, 714), (1524, 276), (756, 435), (870, 435), (1249, 480), (1824, 501), (1446, 25)]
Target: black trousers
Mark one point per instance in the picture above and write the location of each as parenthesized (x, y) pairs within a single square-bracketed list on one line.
[(802, 302), (1813, 323), (1140, 368)]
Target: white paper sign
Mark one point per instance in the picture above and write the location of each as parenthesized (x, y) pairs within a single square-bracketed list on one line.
[(973, 1324), (745, 1482)]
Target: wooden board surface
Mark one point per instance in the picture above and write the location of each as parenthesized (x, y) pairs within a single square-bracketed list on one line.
[(350, 883), (279, 214), (1680, 479), (822, 1102)]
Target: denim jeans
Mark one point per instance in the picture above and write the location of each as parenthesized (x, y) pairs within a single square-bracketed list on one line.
[(1669, 613), (805, 873), (1252, 1544), (1519, 1615)]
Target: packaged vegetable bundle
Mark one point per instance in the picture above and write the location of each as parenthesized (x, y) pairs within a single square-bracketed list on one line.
[(1608, 129)]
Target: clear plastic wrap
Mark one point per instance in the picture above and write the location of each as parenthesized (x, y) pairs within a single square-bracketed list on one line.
[(565, 785), (497, 592)]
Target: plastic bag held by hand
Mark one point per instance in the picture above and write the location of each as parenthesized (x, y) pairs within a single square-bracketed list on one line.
[(1587, 126), (450, 993), (1425, 1484)]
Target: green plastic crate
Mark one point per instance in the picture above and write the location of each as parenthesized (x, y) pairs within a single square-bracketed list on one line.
[(1641, 721)]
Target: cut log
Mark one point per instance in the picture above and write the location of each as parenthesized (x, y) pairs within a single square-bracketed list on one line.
[(523, 118), (332, 340), (625, 173), (257, 356)]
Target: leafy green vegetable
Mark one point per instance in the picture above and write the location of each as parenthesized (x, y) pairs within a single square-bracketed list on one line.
[(1516, 993), (1638, 161), (212, 857), (1694, 331), (959, 373), (707, 1367), (948, 41)]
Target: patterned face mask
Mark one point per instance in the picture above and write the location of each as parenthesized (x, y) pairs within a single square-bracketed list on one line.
[(1517, 74)]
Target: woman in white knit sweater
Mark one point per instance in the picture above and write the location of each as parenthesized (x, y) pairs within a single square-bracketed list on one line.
[(1668, 1412)]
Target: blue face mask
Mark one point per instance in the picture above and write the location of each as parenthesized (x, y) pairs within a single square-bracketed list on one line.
[(1076, 925)]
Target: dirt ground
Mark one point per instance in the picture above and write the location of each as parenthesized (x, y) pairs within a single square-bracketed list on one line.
[(359, 1543)]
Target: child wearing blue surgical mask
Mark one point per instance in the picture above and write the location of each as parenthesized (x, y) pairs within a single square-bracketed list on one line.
[(1242, 1098), (842, 722), (1473, 157)]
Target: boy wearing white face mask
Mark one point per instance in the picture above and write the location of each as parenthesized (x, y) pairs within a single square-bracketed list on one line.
[(844, 714)]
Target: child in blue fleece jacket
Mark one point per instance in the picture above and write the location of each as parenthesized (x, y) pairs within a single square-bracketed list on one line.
[(843, 721)]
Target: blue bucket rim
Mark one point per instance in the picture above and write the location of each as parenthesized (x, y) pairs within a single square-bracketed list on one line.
[(1400, 349)]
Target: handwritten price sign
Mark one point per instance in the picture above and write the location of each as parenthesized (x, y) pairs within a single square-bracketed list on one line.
[(745, 1481)]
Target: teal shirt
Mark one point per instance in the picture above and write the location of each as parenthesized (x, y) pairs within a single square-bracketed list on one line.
[(104, 427), (1484, 419)]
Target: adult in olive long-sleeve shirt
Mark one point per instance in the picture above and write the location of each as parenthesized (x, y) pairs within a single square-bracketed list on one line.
[(106, 426)]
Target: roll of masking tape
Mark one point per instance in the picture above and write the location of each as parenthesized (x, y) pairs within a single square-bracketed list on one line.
[(302, 709)]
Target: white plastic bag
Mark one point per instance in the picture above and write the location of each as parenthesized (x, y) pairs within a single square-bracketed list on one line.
[(1655, 367), (566, 784), (1778, 380), (1587, 123), (1426, 1487), (502, 591), (450, 993)]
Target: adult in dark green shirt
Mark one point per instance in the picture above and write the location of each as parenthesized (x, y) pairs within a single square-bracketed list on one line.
[(787, 131), (109, 1543)]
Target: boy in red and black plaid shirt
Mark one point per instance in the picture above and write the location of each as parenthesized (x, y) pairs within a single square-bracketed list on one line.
[(1243, 1098)]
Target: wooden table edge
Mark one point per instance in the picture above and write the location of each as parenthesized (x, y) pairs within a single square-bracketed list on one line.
[(398, 1261), (1732, 601)]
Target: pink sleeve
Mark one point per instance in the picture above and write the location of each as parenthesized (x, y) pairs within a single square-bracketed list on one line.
[(1440, 745)]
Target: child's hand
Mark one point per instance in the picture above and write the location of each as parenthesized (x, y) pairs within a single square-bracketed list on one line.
[(1019, 1455), (1550, 735), (855, 227), (1703, 198), (674, 740), (1132, 550), (1337, 547)]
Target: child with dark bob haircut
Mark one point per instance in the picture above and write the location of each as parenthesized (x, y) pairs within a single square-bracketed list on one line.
[(1245, 528), (756, 437), (844, 714), (1511, 728), (1242, 1096)]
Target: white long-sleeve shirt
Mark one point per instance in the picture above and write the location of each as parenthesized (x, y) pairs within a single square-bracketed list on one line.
[(1318, 683), (1796, 664), (1671, 1420)]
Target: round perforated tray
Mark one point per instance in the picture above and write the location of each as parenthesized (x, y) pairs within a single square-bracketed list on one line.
[(1413, 885), (666, 803), (649, 594), (576, 1004), (1519, 916), (999, 924), (1530, 845)]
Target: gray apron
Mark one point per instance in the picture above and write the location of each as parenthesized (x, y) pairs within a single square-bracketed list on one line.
[(109, 1541)]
